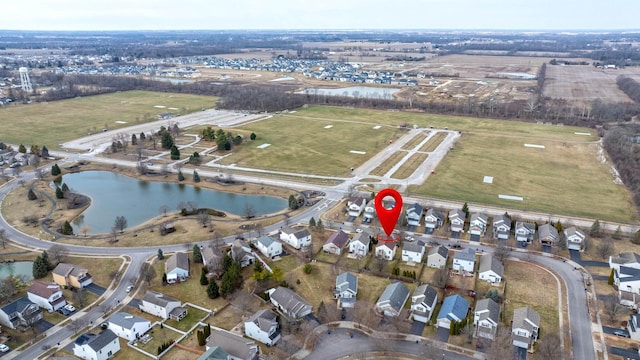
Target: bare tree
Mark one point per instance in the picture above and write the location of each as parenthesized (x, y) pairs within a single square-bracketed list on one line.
[(3, 238), (114, 234), (548, 347), (120, 223), (7, 289), (364, 314), (612, 308), (142, 167), (147, 273), (440, 278), (78, 220), (104, 308), (501, 347), (249, 211), (379, 263), (164, 209), (605, 248), (85, 229), (502, 252), (34, 161), (123, 138), (57, 253), (77, 325), (39, 174), (80, 297), (203, 218)]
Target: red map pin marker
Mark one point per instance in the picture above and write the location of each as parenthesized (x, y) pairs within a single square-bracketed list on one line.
[(388, 217)]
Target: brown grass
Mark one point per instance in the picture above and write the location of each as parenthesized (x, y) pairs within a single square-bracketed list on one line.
[(433, 142), (409, 166), (415, 141), (388, 163)]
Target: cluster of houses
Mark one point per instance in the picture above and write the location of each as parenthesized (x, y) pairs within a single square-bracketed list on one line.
[(129, 69)]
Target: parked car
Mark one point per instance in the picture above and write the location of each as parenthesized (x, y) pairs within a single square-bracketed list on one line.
[(70, 308), (129, 288), (4, 348), (621, 333), (64, 311)]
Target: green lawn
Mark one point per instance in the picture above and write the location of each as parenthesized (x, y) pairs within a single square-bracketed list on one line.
[(193, 317), (65, 120)]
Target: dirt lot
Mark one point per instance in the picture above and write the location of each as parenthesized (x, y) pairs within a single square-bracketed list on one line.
[(585, 83)]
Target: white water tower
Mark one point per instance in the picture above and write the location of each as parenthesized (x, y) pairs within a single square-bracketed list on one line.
[(25, 82)]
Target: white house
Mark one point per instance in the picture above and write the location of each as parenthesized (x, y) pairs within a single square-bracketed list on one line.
[(242, 253), (336, 242), (177, 267), (525, 232), (548, 235), (574, 238), (486, 318), (269, 246), (162, 306), (501, 227), (346, 289), (263, 326), (295, 238), (627, 279), (477, 225), (386, 250), (96, 346), (359, 244), (356, 206), (289, 303), (413, 251), (464, 260), (414, 214), (46, 295), (437, 257), (454, 308), (524, 327), (628, 259), (21, 312), (423, 301), (490, 269), (127, 326), (433, 219), (392, 300), (632, 326), (369, 212), (457, 218)]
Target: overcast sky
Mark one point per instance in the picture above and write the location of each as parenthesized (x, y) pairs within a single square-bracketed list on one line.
[(320, 14)]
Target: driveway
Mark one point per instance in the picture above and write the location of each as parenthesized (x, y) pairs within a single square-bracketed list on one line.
[(96, 289), (442, 334), (625, 353), (134, 303), (575, 256), (417, 328), (612, 331), (42, 326)]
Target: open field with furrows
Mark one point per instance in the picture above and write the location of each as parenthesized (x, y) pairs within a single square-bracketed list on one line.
[(433, 142), (388, 163), (301, 144), (585, 83), (415, 141), (409, 166), (55, 122), (525, 283), (564, 177)]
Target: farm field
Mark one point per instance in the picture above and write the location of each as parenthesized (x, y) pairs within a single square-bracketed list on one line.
[(585, 83), (64, 120)]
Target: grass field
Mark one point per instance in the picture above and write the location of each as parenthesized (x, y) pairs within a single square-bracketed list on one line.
[(415, 141), (409, 166), (433, 142), (388, 163), (65, 120)]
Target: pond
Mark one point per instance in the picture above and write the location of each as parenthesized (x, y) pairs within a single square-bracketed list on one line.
[(368, 92), (24, 268), (115, 195)]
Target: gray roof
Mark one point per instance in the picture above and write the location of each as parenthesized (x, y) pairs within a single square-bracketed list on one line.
[(347, 281), (362, 237), (96, 342), (18, 305), (435, 213), (125, 320), (339, 239), (441, 250), (630, 275), (236, 346), (264, 319), (214, 353), (65, 270), (502, 219), (302, 233), (396, 294), (457, 213), (478, 216), (467, 254), (429, 293), (266, 241), (178, 260), (488, 262), (529, 226), (158, 298), (626, 258), (289, 300), (492, 306), (522, 314), (416, 247), (547, 231), (573, 231)]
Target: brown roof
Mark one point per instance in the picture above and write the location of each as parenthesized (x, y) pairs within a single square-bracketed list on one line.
[(65, 270), (339, 239), (178, 260), (44, 289)]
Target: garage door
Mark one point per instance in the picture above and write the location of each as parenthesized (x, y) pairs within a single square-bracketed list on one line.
[(443, 323)]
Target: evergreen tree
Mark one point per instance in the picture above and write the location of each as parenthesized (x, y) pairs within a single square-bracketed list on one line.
[(143, 136), (175, 153), (166, 140), (617, 235), (55, 170), (201, 338), (59, 193), (66, 229), (22, 149), (164, 278), (39, 268), (252, 136), (611, 277), (134, 140), (207, 331), (196, 177), (44, 152), (293, 202), (197, 255), (45, 259), (312, 222), (203, 277), (213, 292), (65, 188), (319, 225), (595, 229), (559, 226), (258, 271), (180, 176), (465, 209), (227, 263), (636, 238), (160, 254), (31, 195)]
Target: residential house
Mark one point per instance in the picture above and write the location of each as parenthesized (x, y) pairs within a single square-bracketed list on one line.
[(574, 238), (632, 326), (46, 295), (162, 306), (524, 328), (369, 212), (477, 225), (413, 252), (96, 346), (263, 326), (336, 242), (457, 218), (423, 301), (386, 250), (486, 318), (437, 257), (237, 347), (127, 326), (490, 269), (212, 259), (242, 253), (454, 308), (628, 259), (289, 303), (359, 244), (433, 219), (356, 206), (548, 235), (464, 260), (296, 238), (269, 246), (346, 289), (501, 227), (627, 279), (215, 353), (177, 267), (414, 214), (20, 313), (525, 232), (393, 299), (72, 276)]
